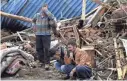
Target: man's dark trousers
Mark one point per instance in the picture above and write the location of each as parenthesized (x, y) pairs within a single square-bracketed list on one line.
[(42, 48)]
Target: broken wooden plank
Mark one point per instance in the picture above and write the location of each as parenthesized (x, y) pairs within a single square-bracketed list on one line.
[(124, 71), (76, 36), (118, 64), (68, 27), (85, 41), (96, 17), (104, 4), (87, 48), (20, 37), (98, 52), (4, 39)]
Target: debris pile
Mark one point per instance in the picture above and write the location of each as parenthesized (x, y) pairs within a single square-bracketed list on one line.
[(98, 30), (12, 59), (5, 33)]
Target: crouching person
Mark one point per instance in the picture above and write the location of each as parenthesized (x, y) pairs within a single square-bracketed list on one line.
[(83, 60), (64, 61), (59, 56)]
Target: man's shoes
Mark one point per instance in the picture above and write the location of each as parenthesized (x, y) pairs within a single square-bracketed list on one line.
[(46, 66), (73, 78), (66, 77), (41, 64)]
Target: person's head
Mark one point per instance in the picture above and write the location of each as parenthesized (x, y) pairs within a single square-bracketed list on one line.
[(45, 7), (72, 45)]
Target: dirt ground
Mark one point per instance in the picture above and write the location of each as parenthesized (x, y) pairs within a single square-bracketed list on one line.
[(38, 73)]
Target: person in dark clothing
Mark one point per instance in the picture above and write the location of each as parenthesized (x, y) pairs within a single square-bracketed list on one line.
[(61, 61), (43, 34), (59, 56), (80, 24)]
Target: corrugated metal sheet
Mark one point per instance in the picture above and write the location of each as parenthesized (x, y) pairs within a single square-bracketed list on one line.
[(28, 8)]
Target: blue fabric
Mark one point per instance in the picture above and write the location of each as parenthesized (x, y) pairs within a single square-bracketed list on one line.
[(67, 68), (28, 8), (83, 72), (58, 65), (64, 68)]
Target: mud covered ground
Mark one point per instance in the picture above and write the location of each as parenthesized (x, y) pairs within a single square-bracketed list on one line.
[(38, 73)]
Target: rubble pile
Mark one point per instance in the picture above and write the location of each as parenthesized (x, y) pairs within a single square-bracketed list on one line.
[(98, 30), (12, 59), (94, 36), (5, 33), (103, 40)]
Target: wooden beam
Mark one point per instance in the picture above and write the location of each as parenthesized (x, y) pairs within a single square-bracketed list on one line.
[(104, 4), (87, 48), (118, 64), (15, 17), (124, 71), (83, 9)]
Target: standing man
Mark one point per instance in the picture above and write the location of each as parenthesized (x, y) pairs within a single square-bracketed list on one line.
[(43, 35)]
